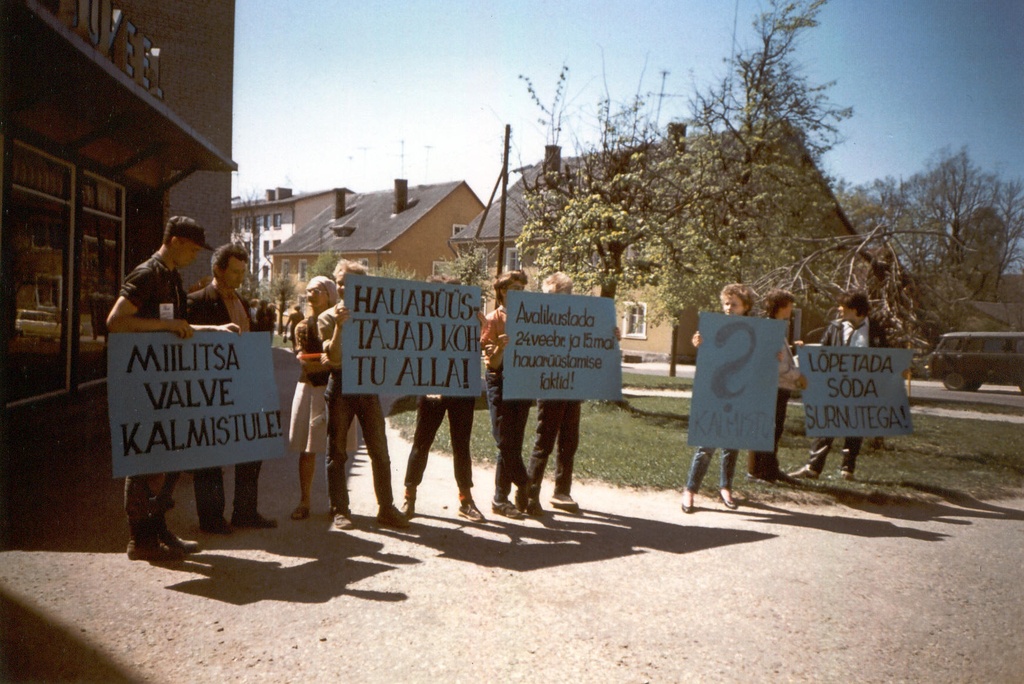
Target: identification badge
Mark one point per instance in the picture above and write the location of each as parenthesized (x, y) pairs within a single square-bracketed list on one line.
[(167, 312)]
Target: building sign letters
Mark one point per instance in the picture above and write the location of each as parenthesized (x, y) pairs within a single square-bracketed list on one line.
[(108, 30)]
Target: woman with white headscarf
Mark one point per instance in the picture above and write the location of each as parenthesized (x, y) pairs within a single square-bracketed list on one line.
[(307, 430)]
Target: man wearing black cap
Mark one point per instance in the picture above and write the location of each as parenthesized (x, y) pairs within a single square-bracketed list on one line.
[(152, 299)]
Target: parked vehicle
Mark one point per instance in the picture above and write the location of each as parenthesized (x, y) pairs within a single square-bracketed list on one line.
[(967, 360)]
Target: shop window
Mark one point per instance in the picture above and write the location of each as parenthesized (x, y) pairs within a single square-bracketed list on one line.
[(36, 246), (102, 229)]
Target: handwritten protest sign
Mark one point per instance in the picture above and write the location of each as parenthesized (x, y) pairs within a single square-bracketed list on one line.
[(735, 382), (561, 347), (179, 404), (855, 392), (407, 337)]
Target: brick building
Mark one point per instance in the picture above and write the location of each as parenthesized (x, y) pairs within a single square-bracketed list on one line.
[(113, 117)]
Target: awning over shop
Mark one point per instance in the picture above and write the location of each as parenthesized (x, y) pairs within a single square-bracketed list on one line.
[(64, 92)]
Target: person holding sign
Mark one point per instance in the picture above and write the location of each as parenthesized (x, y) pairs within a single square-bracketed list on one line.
[(340, 410), (508, 417), (853, 328), (430, 411), (737, 300), (152, 299), (557, 419), (307, 429), (216, 304), (764, 465)]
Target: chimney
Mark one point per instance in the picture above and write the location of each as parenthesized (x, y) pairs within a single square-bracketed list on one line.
[(284, 193), (339, 202), (401, 195), (677, 135), (271, 194), (552, 159)]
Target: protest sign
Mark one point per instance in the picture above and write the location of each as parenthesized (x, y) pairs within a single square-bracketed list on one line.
[(855, 392), (179, 404), (408, 337), (735, 382), (561, 346)]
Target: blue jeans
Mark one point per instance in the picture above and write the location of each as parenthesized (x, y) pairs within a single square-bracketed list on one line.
[(508, 425), (340, 409), (699, 466)]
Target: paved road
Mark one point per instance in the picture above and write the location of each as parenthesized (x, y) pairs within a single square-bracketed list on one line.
[(632, 590), (997, 395)]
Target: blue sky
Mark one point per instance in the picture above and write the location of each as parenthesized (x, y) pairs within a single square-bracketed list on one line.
[(356, 93)]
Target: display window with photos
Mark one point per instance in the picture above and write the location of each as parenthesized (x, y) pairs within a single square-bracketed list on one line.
[(101, 226), (63, 250), (37, 248)]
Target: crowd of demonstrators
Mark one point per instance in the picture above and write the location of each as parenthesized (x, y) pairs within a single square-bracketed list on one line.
[(853, 328), (737, 300), (764, 465), (263, 315), (323, 418), (430, 412), (508, 416), (218, 304), (153, 299), (341, 408)]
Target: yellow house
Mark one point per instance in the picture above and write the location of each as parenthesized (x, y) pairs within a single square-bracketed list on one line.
[(405, 227)]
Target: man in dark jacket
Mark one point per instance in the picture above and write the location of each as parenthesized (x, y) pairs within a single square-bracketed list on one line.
[(218, 303), (853, 328), (152, 299)]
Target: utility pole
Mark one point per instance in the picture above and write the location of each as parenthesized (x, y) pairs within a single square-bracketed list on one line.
[(504, 192)]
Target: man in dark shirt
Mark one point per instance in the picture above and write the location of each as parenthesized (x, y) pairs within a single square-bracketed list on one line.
[(853, 328), (217, 304), (152, 299)]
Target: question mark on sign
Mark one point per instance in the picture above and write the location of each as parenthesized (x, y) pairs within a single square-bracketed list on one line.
[(723, 374)]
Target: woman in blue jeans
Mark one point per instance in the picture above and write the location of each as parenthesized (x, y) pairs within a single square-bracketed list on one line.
[(737, 300)]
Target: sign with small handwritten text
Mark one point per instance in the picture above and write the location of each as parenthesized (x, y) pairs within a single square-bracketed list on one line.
[(561, 346)]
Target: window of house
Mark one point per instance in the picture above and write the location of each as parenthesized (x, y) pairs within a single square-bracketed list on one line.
[(276, 243), (277, 220), (266, 247), (634, 321), (439, 268), (259, 223), (458, 228), (303, 267), (512, 259), (286, 267), (265, 272)]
